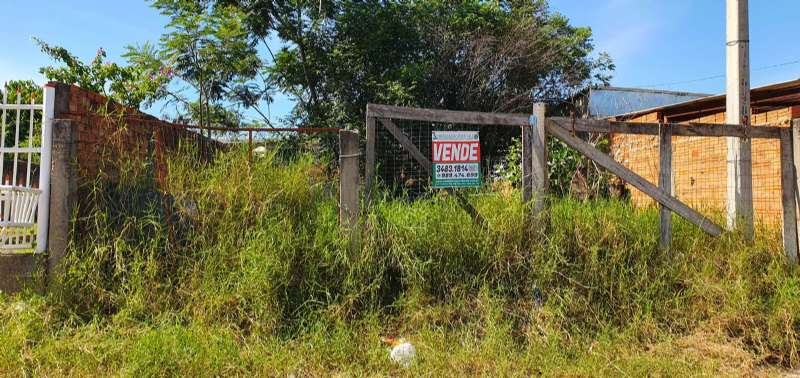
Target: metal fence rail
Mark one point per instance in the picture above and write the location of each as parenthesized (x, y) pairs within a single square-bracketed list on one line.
[(25, 146)]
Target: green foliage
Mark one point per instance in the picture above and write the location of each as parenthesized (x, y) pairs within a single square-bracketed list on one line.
[(133, 85), (511, 169), (563, 165), (471, 55), (23, 91), (210, 49), (253, 276)]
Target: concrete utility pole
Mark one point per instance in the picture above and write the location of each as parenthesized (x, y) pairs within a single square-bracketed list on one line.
[(740, 168)]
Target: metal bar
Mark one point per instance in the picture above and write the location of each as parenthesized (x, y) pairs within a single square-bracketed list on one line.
[(19, 189), (249, 146), (32, 106), (43, 215), (3, 138), (22, 150), (302, 130), (30, 144), (16, 141)]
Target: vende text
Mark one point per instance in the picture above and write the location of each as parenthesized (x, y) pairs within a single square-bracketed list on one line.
[(456, 152)]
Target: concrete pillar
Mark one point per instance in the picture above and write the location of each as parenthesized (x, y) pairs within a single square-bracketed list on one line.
[(737, 112), (18, 270), (63, 191)]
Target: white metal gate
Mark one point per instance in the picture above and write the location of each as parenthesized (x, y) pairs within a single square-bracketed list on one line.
[(25, 172)]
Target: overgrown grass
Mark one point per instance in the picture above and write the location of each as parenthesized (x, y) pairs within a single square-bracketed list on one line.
[(243, 270)]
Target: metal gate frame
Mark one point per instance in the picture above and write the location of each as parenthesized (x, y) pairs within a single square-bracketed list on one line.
[(15, 191)]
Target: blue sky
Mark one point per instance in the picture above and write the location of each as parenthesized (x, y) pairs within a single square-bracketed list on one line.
[(675, 44)]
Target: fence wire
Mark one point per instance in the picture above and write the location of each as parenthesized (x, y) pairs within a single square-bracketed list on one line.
[(400, 173), (700, 172)]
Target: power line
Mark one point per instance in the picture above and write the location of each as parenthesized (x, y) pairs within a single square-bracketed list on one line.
[(789, 63)]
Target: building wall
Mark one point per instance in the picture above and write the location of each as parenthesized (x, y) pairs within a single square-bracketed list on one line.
[(700, 165), (108, 133), (638, 153)]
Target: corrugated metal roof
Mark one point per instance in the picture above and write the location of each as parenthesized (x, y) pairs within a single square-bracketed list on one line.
[(774, 95), (609, 101)]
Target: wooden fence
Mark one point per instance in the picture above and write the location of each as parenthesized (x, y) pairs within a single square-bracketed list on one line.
[(536, 128)]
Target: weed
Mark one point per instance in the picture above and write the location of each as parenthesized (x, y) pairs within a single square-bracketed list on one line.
[(240, 268)]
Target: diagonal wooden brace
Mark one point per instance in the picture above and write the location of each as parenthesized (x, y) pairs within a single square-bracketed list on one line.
[(639, 182), (426, 164)]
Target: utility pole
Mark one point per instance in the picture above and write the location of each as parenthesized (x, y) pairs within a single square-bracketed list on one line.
[(737, 111)]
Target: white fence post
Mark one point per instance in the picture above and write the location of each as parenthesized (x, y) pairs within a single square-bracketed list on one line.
[(43, 215)]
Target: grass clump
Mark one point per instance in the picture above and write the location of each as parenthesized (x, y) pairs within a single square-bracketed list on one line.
[(241, 269)]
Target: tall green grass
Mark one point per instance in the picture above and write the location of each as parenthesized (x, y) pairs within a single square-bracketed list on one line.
[(242, 268)]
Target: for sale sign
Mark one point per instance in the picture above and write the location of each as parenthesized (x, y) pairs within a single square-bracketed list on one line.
[(456, 159)]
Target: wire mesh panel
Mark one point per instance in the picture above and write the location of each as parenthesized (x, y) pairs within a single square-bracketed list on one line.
[(700, 172), (402, 175)]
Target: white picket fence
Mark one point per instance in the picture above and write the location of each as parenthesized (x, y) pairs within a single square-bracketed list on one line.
[(24, 197)]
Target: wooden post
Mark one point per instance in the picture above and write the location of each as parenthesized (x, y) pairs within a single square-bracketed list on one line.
[(539, 157), (788, 192), (737, 111), (602, 159), (665, 182), (369, 161), (527, 163), (348, 179)]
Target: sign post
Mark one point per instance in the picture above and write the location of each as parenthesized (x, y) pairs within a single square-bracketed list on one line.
[(456, 159)]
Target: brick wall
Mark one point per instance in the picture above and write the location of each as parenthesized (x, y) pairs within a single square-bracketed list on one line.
[(107, 133), (700, 165)]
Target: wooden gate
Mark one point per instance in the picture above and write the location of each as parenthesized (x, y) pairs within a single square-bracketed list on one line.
[(385, 116), (564, 129), (535, 129)]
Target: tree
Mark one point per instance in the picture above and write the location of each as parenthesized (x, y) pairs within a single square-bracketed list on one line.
[(210, 50), (134, 85), (495, 56)]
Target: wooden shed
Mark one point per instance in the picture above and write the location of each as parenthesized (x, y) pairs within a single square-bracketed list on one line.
[(700, 163)]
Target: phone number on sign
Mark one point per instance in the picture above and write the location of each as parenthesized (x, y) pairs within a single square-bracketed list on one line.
[(456, 168)]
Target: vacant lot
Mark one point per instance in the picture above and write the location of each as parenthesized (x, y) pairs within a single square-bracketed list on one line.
[(243, 271)]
